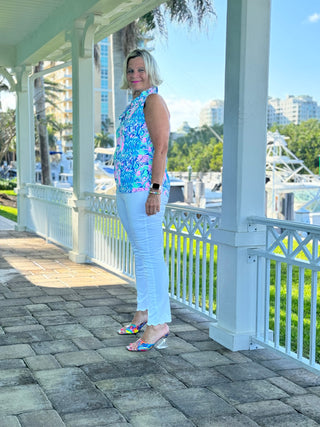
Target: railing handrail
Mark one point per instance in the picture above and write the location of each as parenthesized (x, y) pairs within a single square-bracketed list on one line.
[(176, 206), (290, 225), (290, 247)]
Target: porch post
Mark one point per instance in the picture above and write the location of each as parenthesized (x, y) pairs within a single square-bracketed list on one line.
[(244, 163), (82, 39), (25, 142)]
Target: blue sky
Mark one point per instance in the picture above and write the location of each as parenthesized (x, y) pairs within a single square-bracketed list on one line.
[(192, 63)]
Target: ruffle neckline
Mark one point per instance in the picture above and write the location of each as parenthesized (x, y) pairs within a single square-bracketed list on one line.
[(137, 100)]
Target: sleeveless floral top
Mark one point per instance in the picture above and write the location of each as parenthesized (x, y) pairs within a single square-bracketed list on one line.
[(134, 151)]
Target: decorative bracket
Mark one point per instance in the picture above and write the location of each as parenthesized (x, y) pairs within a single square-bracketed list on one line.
[(22, 73), (9, 77), (92, 22)]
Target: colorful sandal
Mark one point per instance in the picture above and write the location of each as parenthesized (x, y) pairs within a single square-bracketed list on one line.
[(144, 346), (131, 329)]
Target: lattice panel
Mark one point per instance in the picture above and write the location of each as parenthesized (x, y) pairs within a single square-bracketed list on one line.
[(189, 222), (102, 204), (49, 194), (294, 244)]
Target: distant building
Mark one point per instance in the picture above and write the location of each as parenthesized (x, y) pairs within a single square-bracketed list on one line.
[(182, 131), (63, 77), (293, 109), (104, 85), (62, 114), (212, 113)]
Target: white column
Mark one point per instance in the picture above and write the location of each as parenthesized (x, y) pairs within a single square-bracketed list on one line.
[(25, 142), (244, 163), (83, 132)]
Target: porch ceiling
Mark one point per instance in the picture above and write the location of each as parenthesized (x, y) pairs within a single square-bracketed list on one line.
[(36, 30)]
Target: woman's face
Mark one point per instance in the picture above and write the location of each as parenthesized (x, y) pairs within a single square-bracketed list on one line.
[(137, 77)]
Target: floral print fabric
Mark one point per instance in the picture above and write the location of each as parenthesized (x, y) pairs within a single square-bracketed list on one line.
[(134, 150)]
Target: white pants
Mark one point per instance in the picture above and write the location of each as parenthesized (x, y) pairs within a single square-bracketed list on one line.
[(146, 237)]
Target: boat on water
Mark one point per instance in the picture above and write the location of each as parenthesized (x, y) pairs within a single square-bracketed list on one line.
[(292, 190), (62, 169)]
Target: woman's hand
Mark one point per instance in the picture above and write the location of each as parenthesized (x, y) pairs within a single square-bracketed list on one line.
[(153, 204)]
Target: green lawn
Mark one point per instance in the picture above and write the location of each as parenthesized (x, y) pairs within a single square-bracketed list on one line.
[(7, 211), (11, 213), (294, 309), (184, 254)]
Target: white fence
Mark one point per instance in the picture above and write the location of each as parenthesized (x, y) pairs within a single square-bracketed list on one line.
[(287, 280), (287, 268), (188, 247), (50, 215)]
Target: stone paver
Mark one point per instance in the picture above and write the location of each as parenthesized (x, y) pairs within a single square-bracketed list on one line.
[(226, 421), (264, 408), (25, 398), (15, 351), (307, 404), (42, 362), (41, 419), (247, 391), (9, 421), (126, 401), (158, 418), (78, 358), (11, 377), (196, 403), (62, 362), (287, 420), (98, 417)]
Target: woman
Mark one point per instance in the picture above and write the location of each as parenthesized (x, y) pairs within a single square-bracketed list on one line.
[(142, 193)]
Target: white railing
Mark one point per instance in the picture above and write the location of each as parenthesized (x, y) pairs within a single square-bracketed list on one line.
[(189, 249), (191, 255), (287, 297), (287, 267), (50, 214), (108, 245)]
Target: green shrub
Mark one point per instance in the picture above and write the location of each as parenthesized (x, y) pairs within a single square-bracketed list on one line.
[(5, 184)]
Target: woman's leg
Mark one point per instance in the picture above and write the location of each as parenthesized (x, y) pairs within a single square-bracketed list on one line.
[(146, 236), (125, 213)]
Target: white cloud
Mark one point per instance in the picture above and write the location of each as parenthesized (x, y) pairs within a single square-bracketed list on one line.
[(314, 18), (183, 110)]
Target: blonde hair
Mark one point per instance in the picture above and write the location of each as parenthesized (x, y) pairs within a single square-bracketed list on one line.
[(150, 64)]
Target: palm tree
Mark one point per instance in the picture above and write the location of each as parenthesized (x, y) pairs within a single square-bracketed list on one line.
[(41, 87), (189, 12), (7, 131), (40, 107), (58, 127)]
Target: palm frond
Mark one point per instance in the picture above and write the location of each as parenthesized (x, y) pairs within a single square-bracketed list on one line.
[(204, 10), (130, 37), (179, 11), (188, 12)]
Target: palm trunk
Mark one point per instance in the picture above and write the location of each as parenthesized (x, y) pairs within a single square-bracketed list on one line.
[(42, 127)]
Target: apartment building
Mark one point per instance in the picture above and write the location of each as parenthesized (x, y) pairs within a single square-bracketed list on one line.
[(292, 109), (63, 110), (212, 113)]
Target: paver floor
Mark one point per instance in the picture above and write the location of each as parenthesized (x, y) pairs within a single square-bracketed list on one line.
[(62, 362)]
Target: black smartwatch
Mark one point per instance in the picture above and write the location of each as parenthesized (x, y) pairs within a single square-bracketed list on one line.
[(155, 186)]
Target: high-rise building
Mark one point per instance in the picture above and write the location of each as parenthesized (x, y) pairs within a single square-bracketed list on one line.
[(104, 46), (63, 114), (293, 109), (212, 113)]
